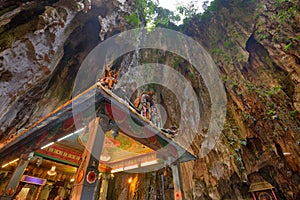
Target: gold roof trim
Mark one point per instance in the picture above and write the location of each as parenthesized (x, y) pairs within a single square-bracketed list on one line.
[(260, 186)]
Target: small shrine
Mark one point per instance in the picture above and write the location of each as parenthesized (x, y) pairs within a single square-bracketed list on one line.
[(262, 191)]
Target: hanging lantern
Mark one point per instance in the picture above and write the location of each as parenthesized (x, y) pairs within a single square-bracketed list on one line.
[(262, 191), (52, 171)]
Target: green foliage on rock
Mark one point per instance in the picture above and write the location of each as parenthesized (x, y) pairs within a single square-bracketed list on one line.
[(147, 13), (133, 19)]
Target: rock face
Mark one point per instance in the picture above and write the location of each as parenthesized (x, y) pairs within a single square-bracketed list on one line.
[(28, 61), (255, 45), (40, 57)]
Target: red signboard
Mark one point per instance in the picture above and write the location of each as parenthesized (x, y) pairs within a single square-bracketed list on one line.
[(59, 152)]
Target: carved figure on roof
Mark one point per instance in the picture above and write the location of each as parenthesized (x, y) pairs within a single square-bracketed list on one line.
[(109, 80), (146, 106), (172, 131), (143, 104)]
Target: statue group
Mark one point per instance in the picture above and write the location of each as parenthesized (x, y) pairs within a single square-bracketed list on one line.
[(144, 103), (146, 106)]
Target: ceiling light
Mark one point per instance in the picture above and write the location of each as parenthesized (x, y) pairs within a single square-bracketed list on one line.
[(131, 167), (117, 170), (152, 162)]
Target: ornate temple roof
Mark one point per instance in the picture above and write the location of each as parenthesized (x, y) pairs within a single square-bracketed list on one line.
[(81, 109), (259, 186)]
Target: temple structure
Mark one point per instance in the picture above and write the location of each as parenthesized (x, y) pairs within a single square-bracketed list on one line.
[(74, 150), (262, 191)]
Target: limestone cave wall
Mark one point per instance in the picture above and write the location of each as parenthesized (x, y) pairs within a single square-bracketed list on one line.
[(255, 45)]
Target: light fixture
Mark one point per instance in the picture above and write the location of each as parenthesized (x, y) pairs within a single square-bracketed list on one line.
[(131, 167), (117, 170), (69, 135), (47, 145), (52, 171), (72, 180), (65, 137), (152, 162), (11, 162), (130, 180)]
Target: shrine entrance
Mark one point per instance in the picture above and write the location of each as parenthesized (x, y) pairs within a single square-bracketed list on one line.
[(75, 149)]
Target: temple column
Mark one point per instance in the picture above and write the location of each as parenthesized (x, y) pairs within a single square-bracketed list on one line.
[(104, 186), (178, 189), (85, 186), (16, 177)]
